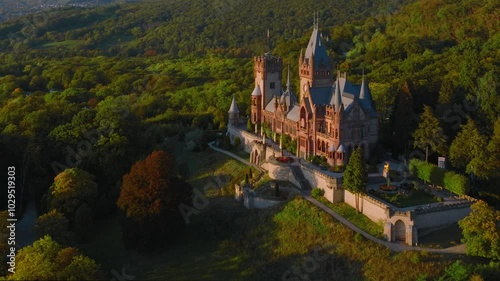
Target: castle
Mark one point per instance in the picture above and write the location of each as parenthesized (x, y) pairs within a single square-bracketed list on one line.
[(332, 117)]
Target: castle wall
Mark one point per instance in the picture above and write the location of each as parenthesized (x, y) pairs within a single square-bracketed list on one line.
[(245, 137), (329, 184), (441, 217), (370, 207)]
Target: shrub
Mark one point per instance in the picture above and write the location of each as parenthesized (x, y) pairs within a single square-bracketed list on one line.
[(317, 192), (250, 126), (456, 183), (453, 182), (237, 143)]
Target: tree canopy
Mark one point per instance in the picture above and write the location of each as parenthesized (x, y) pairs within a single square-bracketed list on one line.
[(481, 231), (47, 260), (71, 189), (355, 174), (148, 189), (429, 134)]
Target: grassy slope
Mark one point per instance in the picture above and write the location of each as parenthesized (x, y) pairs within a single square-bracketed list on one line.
[(227, 242)]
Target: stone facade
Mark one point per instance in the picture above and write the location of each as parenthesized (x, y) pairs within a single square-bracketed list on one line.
[(332, 116)]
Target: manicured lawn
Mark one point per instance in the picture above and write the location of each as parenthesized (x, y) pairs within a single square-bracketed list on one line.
[(358, 219), (418, 197)]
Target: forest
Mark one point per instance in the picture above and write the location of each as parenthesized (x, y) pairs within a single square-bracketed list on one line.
[(100, 88)]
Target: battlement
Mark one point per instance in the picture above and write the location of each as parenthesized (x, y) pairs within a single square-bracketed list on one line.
[(268, 63)]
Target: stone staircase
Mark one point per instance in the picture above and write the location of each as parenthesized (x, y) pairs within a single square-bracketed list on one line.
[(299, 176)]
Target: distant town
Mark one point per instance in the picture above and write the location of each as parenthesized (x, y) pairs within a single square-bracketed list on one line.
[(13, 9)]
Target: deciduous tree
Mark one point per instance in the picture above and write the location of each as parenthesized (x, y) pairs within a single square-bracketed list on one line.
[(47, 260), (71, 189), (56, 225), (481, 231)]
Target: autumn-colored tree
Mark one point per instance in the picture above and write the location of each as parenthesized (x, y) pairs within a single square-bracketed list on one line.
[(150, 198), (47, 260), (147, 190), (71, 189), (429, 134)]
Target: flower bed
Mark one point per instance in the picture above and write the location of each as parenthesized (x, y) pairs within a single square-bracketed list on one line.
[(285, 159), (386, 187)]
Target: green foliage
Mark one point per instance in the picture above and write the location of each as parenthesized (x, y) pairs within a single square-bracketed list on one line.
[(467, 145), (429, 134), (47, 260), (250, 126), (456, 183), (55, 225), (481, 231), (458, 271), (355, 175), (317, 193), (71, 189), (237, 143)]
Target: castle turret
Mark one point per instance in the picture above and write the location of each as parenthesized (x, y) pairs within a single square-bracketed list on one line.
[(256, 107), (234, 114)]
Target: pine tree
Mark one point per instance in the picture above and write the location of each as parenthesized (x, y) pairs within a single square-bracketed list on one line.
[(429, 133), (467, 149), (356, 175)]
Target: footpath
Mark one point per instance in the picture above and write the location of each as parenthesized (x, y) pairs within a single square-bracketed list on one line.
[(396, 247)]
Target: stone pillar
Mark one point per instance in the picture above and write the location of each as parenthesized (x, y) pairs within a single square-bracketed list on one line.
[(409, 235), (388, 231)]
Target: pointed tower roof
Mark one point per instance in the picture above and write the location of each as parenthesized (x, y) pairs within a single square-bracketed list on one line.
[(337, 96), (365, 97), (234, 107), (341, 149), (364, 93), (315, 48), (256, 91)]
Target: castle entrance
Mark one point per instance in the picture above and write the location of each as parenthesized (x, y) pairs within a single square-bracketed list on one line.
[(400, 231)]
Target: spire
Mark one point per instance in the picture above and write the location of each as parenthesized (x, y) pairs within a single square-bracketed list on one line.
[(337, 96), (364, 92), (288, 80), (315, 49), (234, 107)]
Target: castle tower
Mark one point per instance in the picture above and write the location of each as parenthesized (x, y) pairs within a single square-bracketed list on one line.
[(315, 66), (234, 114), (256, 108), (267, 73)]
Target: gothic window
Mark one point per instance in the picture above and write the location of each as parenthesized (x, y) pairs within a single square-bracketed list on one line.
[(336, 133)]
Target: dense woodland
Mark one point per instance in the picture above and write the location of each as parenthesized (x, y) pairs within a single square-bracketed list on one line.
[(100, 88)]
